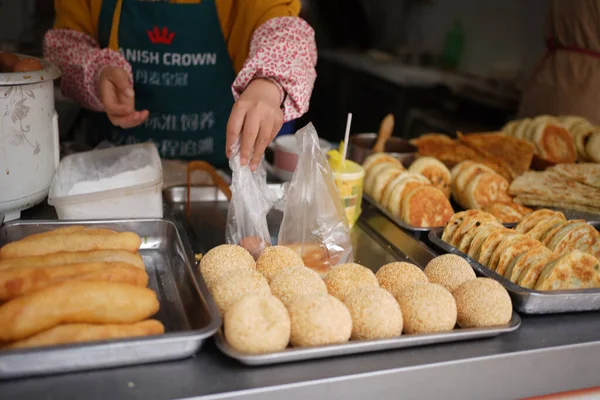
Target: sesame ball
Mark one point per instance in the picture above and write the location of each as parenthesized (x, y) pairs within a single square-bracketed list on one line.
[(375, 314), (276, 258), (427, 308), (449, 270), (397, 276), (257, 324), (296, 281), (344, 279), (319, 320), (223, 259), (236, 284), (482, 302)]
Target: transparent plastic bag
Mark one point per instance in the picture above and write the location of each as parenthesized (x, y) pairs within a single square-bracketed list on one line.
[(314, 221), (251, 201)]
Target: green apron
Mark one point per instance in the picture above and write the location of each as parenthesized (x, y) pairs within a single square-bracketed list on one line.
[(182, 74)]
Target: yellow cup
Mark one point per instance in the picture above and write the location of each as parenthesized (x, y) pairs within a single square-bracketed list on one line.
[(349, 181)]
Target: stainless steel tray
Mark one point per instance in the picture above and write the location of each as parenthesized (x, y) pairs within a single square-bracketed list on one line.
[(422, 233), (376, 242), (186, 309), (530, 301), (394, 219)]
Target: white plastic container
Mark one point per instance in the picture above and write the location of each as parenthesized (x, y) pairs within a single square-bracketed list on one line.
[(118, 182)]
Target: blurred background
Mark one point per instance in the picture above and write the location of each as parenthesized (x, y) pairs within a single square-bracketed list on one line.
[(438, 65)]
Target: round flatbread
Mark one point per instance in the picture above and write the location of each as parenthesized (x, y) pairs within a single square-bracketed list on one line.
[(426, 206), (523, 261), (380, 158), (534, 217), (574, 270), (485, 188), (512, 252), (435, 171)]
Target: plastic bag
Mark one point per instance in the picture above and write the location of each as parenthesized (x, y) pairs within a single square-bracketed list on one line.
[(314, 221), (251, 201)]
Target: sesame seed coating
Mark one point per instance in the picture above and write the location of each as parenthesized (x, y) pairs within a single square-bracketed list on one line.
[(223, 259), (276, 258), (236, 284), (375, 314), (296, 281), (319, 320), (482, 302), (257, 324), (344, 279), (395, 277), (449, 270), (427, 308)]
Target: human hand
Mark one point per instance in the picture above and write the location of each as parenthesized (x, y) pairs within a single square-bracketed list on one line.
[(118, 98), (257, 117)]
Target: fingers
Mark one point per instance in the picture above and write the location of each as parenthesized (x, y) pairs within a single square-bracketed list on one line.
[(252, 124), (130, 121), (234, 126), (265, 136)]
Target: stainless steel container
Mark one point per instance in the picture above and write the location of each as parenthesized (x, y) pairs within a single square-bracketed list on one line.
[(361, 146)]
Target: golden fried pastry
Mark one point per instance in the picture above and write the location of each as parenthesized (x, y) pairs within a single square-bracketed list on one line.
[(375, 172), (507, 211), (426, 206), (513, 153), (78, 333), (380, 158), (468, 239), (401, 188), (484, 188), (592, 147), (344, 279), (504, 244), (545, 225), (15, 282), (574, 270), (539, 255), (435, 171), (533, 218), (454, 223), (481, 237), (382, 181), (513, 251), (95, 256), (552, 142), (470, 222), (576, 236), (75, 302), (533, 269), (72, 242)]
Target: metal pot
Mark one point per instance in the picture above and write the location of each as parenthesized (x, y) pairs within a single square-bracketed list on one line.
[(29, 146), (361, 146)]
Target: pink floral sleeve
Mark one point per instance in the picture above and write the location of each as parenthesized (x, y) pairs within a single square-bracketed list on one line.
[(283, 50), (81, 60)]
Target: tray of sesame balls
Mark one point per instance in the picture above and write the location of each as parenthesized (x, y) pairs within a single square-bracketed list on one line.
[(547, 262), (277, 310)]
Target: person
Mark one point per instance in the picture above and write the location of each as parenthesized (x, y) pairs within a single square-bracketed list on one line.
[(165, 71), (567, 79)]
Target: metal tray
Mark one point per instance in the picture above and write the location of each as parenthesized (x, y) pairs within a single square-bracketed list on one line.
[(186, 309), (530, 301), (376, 242)]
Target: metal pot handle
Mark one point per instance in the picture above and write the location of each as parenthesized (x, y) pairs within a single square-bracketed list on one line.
[(55, 138)]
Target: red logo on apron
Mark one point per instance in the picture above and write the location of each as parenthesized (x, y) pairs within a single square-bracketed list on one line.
[(161, 36)]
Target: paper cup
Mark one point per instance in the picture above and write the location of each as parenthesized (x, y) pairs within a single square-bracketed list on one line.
[(350, 186)]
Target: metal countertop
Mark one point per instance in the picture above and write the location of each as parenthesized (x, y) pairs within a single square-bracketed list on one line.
[(548, 354)]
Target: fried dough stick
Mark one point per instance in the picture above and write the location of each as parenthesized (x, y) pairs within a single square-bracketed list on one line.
[(77, 241), (62, 258), (15, 282), (77, 333), (75, 302)]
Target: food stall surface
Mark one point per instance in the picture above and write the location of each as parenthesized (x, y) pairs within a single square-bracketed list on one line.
[(548, 354)]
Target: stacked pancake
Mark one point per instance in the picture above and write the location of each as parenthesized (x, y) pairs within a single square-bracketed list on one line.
[(544, 252), (552, 142), (475, 185), (410, 195), (74, 284), (569, 186)]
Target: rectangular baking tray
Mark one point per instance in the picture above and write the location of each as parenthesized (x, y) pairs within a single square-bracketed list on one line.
[(422, 232), (530, 301), (414, 229), (186, 308), (206, 226)]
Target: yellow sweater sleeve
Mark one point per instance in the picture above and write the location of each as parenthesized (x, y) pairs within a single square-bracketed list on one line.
[(78, 15), (238, 18)]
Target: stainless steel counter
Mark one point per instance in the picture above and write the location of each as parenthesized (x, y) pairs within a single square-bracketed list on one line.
[(548, 354)]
